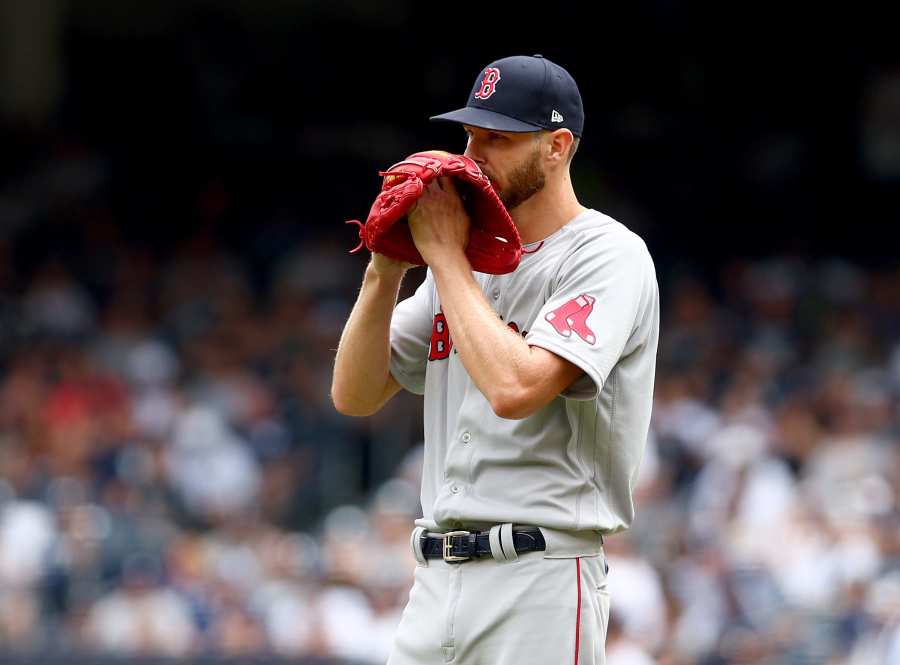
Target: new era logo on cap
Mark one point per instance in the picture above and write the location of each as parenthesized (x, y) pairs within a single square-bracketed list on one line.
[(522, 94)]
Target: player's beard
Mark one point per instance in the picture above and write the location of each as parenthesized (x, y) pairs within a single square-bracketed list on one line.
[(523, 182)]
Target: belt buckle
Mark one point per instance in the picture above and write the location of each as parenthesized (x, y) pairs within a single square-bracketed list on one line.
[(448, 555)]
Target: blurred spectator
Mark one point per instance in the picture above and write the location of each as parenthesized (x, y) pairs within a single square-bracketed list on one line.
[(143, 616), (210, 468)]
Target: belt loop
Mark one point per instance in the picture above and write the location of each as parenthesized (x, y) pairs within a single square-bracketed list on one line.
[(503, 548), (507, 542), (415, 542), (494, 539)]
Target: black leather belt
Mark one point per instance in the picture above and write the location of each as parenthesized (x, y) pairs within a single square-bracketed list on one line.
[(460, 546)]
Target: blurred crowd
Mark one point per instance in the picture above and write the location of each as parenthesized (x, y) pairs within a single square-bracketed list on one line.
[(174, 480), (768, 528)]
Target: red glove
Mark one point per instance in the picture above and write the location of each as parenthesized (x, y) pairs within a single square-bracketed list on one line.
[(494, 244)]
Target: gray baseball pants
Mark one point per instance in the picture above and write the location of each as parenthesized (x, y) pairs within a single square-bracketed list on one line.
[(540, 608)]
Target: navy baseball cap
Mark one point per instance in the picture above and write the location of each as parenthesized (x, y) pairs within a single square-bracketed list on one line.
[(522, 93)]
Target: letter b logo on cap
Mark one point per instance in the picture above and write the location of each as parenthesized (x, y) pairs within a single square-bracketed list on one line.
[(488, 83)]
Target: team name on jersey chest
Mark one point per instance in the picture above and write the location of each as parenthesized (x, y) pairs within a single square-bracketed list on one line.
[(516, 301), (442, 341)]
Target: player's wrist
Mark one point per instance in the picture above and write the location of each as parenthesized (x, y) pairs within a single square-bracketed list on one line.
[(449, 259), (385, 267)]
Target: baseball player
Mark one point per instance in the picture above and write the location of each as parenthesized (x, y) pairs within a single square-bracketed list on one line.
[(538, 388)]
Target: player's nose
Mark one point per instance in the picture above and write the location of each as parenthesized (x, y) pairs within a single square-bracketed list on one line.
[(473, 153)]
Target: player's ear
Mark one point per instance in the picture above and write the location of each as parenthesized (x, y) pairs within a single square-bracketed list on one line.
[(558, 144)]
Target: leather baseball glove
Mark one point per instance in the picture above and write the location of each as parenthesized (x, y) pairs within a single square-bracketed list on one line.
[(494, 244)]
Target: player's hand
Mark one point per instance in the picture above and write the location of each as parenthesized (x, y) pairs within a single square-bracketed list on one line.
[(439, 223)]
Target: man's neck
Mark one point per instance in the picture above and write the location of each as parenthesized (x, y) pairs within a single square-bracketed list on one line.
[(547, 211)]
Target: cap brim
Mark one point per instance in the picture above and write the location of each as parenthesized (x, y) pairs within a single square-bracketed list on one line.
[(487, 120)]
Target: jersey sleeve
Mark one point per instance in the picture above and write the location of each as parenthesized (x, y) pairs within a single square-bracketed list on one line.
[(593, 315), (411, 325)]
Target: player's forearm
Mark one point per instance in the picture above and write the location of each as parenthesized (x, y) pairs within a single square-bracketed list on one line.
[(362, 364), (495, 356)]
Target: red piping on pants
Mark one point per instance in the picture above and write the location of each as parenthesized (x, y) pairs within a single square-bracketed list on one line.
[(578, 614)]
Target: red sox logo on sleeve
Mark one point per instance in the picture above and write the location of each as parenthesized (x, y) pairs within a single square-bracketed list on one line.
[(488, 83), (572, 317)]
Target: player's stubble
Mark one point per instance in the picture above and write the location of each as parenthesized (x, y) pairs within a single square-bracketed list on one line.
[(523, 182)]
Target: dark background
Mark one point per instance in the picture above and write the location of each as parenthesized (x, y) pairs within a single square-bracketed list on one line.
[(715, 132)]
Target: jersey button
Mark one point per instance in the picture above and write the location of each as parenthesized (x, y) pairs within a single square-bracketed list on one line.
[(496, 294), (454, 489), (466, 437)]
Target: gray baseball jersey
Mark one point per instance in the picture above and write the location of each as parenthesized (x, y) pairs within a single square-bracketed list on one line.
[(587, 293)]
